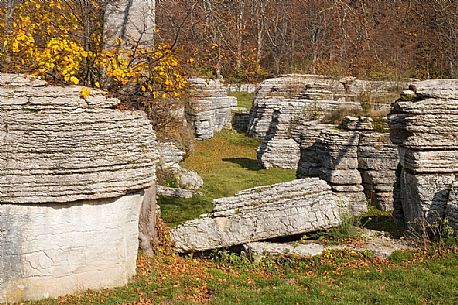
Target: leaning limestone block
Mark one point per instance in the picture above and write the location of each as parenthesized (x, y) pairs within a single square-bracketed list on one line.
[(261, 213)]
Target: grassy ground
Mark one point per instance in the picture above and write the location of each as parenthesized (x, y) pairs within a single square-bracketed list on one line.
[(333, 278), (227, 164), (244, 99)]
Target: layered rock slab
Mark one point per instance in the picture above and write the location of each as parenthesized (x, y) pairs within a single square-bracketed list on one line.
[(424, 125), (260, 213), (209, 107), (74, 174)]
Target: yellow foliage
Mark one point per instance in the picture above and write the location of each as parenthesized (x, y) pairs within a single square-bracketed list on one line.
[(50, 41)]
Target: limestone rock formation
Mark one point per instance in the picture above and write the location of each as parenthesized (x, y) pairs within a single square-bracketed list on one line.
[(359, 164), (315, 96), (209, 107), (73, 176), (261, 213), (282, 102), (424, 124), (169, 168)]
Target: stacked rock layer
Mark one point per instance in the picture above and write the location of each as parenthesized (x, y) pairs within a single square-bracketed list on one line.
[(261, 213), (359, 164), (72, 177), (209, 107), (281, 102), (424, 124)]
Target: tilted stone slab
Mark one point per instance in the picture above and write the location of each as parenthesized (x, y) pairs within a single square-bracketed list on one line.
[(261, 213)]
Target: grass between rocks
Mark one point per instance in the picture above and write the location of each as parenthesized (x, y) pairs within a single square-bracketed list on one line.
[(227, 164), (244, 99), (335, 277)]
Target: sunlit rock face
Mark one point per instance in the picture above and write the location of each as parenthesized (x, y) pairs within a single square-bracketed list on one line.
[(72, 177), (424, 125)]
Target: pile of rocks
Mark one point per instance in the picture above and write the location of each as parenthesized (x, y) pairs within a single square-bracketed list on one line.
[(260, 213), (424, 124), (209, 107), (74, 175), (173, 179)]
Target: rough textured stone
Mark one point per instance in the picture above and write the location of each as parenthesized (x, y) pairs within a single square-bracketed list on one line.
[(261, 213), (173, 192), (452, 207), (240, 119), (170, 157), (352, 162), (248, 88), (209, 107), (75, 176), (282, 102), (315, 96), (424, 123), (55, 249), (58, 147)]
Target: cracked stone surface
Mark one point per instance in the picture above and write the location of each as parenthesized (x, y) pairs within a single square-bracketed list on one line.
[(260, 213), (424, 125), (209, 107), (72, 177)]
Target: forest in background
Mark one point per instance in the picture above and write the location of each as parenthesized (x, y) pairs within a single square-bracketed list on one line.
[(243, 40), (248, 40)]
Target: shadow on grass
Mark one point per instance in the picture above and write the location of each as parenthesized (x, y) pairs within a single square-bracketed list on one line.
[(247, 163), (383, 223)]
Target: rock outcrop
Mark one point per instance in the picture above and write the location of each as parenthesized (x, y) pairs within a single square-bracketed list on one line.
[(424, 125), (359, 163), (261, 213), (209, 107), (316, 96), (282, 102), (73, 177)]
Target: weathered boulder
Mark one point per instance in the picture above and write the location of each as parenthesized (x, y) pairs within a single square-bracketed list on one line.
[(424, 124), (74, 173), (209, 107), (261, 213), (170, 170)]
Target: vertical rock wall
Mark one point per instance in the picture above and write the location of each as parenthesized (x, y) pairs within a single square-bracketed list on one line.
[(359, 164), (424, 125)]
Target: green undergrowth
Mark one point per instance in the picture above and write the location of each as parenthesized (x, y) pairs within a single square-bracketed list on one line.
[(244, 99), (335, 277), (227, 164)]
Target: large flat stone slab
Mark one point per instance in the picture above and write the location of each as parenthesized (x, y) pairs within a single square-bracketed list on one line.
[(261, 213)]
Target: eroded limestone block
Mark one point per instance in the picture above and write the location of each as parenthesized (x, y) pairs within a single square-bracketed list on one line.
[(451, 211), (48, 250), (261, 213), (209, 107)]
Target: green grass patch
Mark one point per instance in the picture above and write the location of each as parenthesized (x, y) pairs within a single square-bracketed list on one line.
[(244, 99), (227, 164), (333, 278)]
